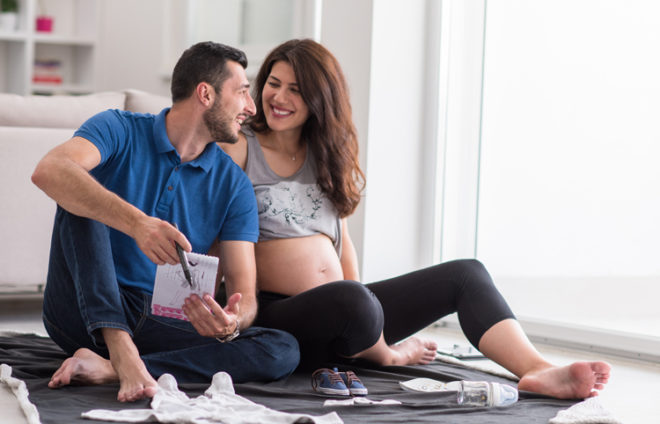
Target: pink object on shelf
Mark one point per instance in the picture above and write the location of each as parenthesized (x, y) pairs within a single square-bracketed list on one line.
[(44, 23)]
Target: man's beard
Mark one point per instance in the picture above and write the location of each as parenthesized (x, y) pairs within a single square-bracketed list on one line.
[(220, 129)]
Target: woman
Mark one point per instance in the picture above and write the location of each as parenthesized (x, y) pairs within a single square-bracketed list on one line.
[(300, 151)]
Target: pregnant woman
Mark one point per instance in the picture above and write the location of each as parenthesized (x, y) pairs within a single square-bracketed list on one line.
[(300, 151)]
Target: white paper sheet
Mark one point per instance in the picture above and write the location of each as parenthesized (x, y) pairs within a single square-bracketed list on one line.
[(171, 287)]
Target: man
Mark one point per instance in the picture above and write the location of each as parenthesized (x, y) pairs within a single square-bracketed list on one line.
[(120, 183)]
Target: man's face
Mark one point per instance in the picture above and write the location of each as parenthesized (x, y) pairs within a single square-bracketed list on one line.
[(231, 106)]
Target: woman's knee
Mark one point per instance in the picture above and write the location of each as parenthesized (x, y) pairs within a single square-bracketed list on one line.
[(353, 300), (361, 315), (471, 274)]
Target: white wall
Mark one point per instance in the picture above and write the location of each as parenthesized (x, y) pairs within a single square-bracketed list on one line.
[(383, 49), (130, 46), (350, 42), (392, 225), (140, 41)]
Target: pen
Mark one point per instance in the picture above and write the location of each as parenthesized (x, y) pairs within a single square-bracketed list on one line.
[(183, 259)]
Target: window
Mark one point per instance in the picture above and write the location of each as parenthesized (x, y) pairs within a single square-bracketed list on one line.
[(562, 182)]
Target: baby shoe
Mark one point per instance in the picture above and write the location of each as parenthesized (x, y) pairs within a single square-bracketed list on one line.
[(355, 386), (329, 382)]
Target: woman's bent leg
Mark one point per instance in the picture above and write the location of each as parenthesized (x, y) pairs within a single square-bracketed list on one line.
[(341, 319), (413, 301)]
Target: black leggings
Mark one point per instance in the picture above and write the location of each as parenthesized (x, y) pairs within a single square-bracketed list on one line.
[(343, 318)]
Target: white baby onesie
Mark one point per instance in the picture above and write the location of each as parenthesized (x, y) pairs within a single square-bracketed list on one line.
[(219, 404)]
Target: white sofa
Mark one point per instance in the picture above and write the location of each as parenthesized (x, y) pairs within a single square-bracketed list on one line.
[(29, 127)]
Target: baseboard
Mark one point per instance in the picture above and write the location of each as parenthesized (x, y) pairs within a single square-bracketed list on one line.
[(589, 339), (20, 303), (21, 291)]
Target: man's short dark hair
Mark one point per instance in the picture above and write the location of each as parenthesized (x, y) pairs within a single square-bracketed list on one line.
[(203, 62)]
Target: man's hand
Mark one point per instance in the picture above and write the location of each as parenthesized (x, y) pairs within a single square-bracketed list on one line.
[(156, 238), (211, 320)]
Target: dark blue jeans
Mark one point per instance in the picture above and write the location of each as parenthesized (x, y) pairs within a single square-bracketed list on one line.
[(82, 296)]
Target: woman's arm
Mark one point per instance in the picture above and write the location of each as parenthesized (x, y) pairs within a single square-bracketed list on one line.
[(349, 261)]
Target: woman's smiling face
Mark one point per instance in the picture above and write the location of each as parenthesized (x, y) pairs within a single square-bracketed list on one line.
[(283, 105)]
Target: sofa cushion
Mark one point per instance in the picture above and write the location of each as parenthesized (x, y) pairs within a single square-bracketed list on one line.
[(26, 213), (55, 111), (143, 102)]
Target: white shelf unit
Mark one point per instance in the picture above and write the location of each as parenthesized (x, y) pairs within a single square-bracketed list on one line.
[(72, 42)]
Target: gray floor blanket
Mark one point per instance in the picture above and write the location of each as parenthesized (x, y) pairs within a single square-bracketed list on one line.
[(34, 359)]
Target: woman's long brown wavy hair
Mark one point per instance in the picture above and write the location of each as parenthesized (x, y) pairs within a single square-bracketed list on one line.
[(329, 130)]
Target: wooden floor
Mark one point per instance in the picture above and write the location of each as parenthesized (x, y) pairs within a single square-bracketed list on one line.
[(631, 396)]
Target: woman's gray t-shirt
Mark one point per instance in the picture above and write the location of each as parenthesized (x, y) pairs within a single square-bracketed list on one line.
[(291, 206)]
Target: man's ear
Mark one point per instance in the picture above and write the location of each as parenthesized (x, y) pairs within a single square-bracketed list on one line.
[(205, 93)]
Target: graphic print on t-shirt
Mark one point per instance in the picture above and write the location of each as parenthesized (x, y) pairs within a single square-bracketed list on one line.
[(290, 203)]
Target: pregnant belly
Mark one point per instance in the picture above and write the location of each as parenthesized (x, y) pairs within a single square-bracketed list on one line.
[(294, 265)]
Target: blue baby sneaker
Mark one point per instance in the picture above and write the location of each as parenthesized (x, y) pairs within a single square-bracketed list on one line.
[(327, 381), (355, 386)]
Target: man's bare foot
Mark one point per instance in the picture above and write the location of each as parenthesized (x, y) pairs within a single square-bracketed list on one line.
[(84, 367), (414, 351), (135, 382), (576, 381)]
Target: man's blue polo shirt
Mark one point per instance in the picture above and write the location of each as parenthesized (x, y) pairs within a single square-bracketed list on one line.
[(209, 197)]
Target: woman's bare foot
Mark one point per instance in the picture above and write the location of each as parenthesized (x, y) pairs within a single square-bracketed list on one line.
[(576, 381), (414, 351), (411, 351), (84, 367)]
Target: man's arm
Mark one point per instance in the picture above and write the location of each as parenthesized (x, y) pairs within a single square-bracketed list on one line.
[(239, 268), (63, 174), (240, 272)]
